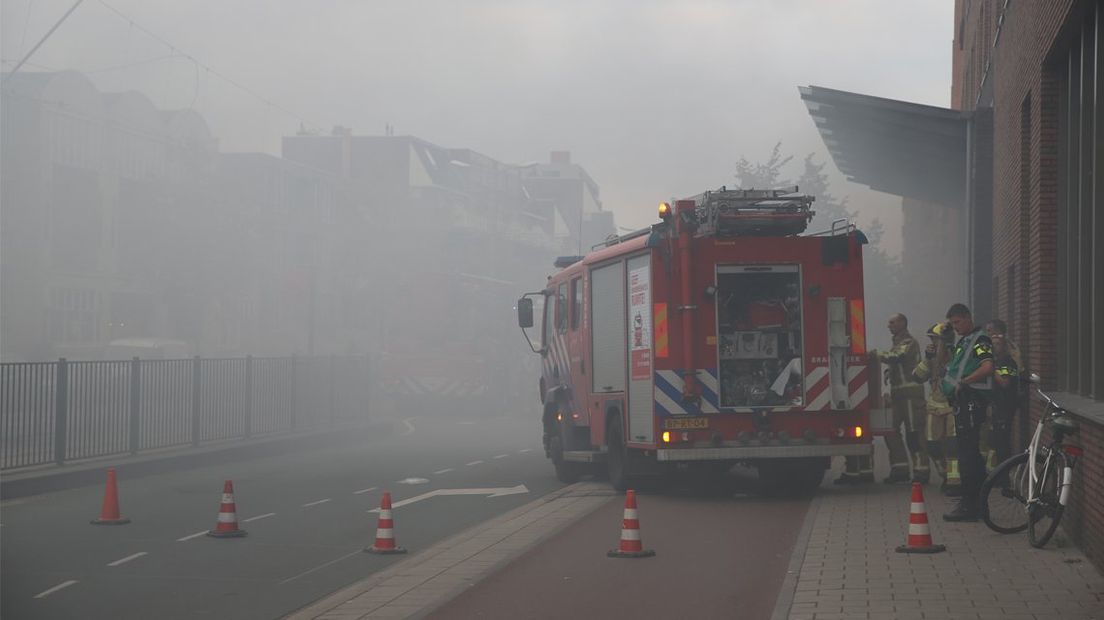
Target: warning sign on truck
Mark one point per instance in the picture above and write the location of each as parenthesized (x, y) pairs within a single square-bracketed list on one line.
[(640, 324)]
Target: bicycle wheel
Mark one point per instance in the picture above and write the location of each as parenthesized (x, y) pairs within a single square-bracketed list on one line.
[(1004, 496), (1044, 514)]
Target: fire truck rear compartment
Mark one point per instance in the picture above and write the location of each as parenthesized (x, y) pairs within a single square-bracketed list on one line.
[(759, 335)]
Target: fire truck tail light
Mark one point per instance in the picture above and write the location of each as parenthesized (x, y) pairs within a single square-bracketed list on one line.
[(559, 417), (574, 416), (666, 436), (858, 431), (664, 211)]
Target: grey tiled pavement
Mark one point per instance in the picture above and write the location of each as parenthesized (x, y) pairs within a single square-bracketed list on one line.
[(850, 569)]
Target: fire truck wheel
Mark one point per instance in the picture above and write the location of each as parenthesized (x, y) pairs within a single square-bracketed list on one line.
[(566, 471), (616, 458)]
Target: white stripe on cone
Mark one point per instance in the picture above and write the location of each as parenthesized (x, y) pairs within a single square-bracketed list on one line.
[(228, 498), (385, 533), (384, 514), (630, 534), (918, 508), (227, 517), (918, 529), (630, 513)]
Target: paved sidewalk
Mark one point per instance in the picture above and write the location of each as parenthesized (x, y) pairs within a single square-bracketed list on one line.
[(849, 568)]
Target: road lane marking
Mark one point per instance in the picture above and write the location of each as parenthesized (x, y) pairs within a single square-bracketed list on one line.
[(473, 463), (259, 517), (364, 490), (321, 566), (64, 584), (127, 558), (489, 492), (500, 456), (409, 426), (321, 501), (413, 481), (191, 536), (524, 450), (443, 471)]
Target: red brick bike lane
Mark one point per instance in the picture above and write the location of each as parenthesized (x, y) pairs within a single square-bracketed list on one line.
[(716, 557)]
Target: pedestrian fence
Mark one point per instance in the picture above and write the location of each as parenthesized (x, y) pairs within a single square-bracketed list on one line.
[(52, 412)]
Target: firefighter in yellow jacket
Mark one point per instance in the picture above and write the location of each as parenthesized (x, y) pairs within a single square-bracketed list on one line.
[(907, 399), (939, 433), (909, 413)]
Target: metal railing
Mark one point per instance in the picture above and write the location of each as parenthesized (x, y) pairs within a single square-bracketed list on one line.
[(52, 412)]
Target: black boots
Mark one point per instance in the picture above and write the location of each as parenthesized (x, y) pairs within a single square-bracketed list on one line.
[(964, 511)]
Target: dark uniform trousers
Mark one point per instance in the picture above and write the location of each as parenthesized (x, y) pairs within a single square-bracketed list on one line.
[(969, 416)]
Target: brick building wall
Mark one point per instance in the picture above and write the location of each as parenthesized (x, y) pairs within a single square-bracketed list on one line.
[(1010, 57)]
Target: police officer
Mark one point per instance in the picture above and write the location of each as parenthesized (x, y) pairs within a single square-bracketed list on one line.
[(967, 384), (1006, 390), (907, 399), (940, 428)]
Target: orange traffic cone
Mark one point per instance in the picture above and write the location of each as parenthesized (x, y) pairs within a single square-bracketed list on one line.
[(227, 525), (919, 535), (109, 514), (631, 545), (385, 530)]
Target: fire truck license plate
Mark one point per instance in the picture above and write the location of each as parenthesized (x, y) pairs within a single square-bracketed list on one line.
[(685, 423)]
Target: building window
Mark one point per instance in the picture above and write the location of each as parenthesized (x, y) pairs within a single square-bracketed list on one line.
[(1080, 346)]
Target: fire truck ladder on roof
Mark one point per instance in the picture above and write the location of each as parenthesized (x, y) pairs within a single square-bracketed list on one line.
[(753, 212)]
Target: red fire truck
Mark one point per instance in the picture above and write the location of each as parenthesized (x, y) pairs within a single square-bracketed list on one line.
[(719, 335), (449, 363)]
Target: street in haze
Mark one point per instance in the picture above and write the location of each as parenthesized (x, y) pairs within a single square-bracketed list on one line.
[(544, 310), (307, 513)]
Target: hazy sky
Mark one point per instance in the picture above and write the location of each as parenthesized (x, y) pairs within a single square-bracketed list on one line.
[(655, 99)]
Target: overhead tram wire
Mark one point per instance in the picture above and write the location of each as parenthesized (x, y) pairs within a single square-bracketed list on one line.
[(46, 36), (210, 70)]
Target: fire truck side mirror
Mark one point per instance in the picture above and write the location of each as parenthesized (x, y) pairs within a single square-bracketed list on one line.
[(525, 312)]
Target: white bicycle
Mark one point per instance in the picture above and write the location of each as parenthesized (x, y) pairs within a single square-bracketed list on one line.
[(1030, 490)]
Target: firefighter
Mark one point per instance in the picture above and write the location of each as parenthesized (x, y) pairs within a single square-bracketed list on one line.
[(907, 399), (1006, 392), (967, 384), (940, 427)]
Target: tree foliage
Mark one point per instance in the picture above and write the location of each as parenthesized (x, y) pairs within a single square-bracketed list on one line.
[(881, 271)]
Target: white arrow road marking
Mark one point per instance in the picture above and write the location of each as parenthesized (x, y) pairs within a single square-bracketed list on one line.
[(127, 559), (64, 584), (259, 517), (362, 491), (321, 501), (473, 463), (191, 536), (498, 492), (443, 471)]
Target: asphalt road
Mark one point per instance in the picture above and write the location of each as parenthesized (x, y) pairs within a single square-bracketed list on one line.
[(721, 556), (306, 513)]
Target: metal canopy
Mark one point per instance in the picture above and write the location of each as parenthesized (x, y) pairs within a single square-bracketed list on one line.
[(892, 146)]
